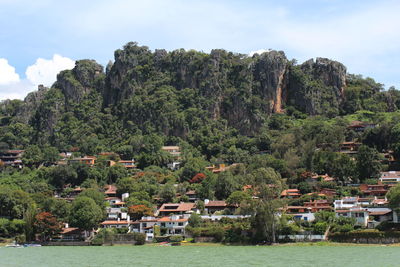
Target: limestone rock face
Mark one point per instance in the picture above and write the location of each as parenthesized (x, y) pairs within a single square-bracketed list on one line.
[(79, 81), (239, 89), (270, 78), (331, 73), (317, 87), (31, 104)]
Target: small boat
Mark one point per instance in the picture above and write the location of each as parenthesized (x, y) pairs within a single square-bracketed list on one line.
[(32, 245), (14, 245)]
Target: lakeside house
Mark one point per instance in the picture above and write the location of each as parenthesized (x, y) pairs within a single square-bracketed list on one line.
[(176, 209), (213, 206)]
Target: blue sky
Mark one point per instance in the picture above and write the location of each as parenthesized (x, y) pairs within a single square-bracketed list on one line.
[(39, 38)]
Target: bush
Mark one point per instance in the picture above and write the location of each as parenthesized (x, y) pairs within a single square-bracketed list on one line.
[(175, 238), (388, 226), (344, 237), (140, 238), (320, 228)]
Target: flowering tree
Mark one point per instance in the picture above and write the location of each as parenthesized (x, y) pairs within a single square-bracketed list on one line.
[(138, 211), (47, 225), (198, 178)]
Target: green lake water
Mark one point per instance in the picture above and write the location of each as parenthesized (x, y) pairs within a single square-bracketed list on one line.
[(123, 256)]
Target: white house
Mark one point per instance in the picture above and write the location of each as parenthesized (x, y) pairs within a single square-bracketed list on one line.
[(346, 203), (361, 215), (390, 177), (175, 224)]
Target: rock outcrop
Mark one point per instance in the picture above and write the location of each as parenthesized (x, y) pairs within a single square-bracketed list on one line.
[(239, 89)]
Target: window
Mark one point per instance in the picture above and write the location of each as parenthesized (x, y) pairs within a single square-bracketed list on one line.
[(144, 224), (162, 224), (180, 224)]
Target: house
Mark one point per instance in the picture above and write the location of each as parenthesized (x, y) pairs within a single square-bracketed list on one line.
[(381, 214), (112, 200), (116, 223), (220, 168), (12, 158), (88, 160), (379, 202), (176, 209), (374, 189), (359, 126), (175, 152), (213, 206), (129, 164), (328, 192), (349, 147), (346, 203), (318, 205), (291, 193), (110, 190), (318, 177), (192, 195), (72, 234), (300, 213), (146, 226), (175, 224), (390, 177), (360, 214)]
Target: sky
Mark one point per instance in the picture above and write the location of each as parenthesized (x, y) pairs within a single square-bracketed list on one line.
[(42, 37)]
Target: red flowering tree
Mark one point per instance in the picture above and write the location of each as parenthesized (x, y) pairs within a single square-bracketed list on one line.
[(47, 225), (198, 178), (138, 211)]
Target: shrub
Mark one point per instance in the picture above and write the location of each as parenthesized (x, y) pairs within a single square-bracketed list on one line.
[(140, 238), (175, 238)]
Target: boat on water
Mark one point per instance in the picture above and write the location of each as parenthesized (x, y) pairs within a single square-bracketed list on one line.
[(14, 245), (32, 245)]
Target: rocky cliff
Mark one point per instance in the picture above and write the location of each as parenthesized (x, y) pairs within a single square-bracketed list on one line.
[(242, 90)]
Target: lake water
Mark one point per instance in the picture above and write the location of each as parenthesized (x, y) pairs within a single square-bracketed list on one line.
[(123, 256)]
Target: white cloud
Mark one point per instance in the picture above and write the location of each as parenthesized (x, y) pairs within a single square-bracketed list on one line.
[(45, 71), (259, 51), (7, 73)]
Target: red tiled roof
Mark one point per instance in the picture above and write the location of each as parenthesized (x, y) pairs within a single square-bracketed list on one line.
[(111, 189), (114, 222), (168, 219), (70, 230)]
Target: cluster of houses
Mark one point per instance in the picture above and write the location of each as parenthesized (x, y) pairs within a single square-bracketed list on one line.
[(171, 218), (369, 209)]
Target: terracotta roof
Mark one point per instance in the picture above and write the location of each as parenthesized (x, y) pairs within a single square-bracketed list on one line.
[(70, 230), (191, 192), (110, 189), (216, 203), (169, 219), (178, 207)]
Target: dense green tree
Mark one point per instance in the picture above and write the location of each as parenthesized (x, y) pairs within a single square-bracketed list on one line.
[(167, 192), (85, 213), (368, 163)]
